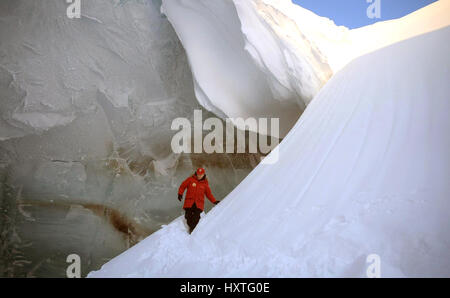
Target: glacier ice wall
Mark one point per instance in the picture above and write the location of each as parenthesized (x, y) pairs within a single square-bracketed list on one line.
[(86, 107)]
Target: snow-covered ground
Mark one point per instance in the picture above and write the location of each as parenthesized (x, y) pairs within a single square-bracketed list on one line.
[(364, 171)]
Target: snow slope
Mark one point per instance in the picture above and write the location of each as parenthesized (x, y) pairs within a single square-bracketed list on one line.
[(269, 58), (365, 170), (370, 38)]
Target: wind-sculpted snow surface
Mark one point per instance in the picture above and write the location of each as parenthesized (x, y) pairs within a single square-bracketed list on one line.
[(249, 60), (364, 171), (370, 38), (269, 58)]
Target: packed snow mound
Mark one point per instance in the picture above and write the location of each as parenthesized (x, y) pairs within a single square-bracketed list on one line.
[(269, 58), (364, 171)]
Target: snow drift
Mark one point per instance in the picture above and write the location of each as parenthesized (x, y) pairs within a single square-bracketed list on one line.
[(269, 58), (364, 171), (242, 67)]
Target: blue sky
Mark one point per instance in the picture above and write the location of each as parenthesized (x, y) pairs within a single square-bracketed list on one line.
[(352, 13)]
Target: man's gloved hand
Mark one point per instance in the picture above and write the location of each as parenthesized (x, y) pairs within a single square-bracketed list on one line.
[(216, 202), (180, 197)]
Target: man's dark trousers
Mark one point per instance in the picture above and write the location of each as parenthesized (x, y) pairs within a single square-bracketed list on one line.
[(192, 216)]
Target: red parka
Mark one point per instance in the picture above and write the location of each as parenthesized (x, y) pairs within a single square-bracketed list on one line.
[(196, 191)]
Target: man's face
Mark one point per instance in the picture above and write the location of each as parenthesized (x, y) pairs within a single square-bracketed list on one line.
[(200, 176)]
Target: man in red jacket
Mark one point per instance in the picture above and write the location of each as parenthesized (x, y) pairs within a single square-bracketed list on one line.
[(197, 187)]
